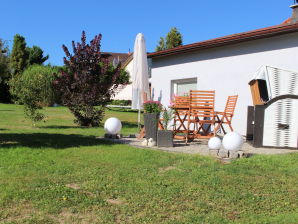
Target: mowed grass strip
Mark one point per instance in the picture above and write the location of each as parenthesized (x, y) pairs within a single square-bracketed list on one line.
[(56, 172)]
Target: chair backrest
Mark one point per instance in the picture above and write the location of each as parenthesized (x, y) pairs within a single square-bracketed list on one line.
[(202, 103), (181, 102), (231, 105)]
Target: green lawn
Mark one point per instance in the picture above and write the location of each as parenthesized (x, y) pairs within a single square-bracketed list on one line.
[(57, 172)]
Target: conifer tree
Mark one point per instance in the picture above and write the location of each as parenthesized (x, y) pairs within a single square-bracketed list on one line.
[(4, 61), (19, 55), (173, 39), (161, 45), (35, 55), (4, 73)]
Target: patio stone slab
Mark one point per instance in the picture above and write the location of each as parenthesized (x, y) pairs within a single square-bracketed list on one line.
[(199, 147)]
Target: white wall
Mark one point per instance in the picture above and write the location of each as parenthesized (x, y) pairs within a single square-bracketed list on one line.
[(227, 70), (125, 92)]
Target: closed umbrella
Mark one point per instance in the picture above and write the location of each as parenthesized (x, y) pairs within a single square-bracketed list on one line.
[(140, 76)]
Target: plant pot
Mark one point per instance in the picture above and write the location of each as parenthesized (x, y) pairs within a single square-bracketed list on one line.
[(165, 138), (151, 125)]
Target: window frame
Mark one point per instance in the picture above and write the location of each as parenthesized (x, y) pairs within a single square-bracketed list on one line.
[(175, 82)]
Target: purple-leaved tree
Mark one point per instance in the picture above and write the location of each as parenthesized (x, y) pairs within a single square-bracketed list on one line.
[(88, 82)]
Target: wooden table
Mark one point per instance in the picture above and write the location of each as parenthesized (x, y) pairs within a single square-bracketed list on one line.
[(182, 117)]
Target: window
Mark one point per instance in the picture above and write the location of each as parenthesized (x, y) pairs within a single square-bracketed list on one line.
[(182, 87)]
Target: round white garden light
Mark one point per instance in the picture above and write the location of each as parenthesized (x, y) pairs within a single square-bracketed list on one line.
[(113, 126), (214, 143), (232, 141)]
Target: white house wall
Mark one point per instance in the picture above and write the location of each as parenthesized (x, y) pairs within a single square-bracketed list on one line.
[(125, 92), (227, 70)]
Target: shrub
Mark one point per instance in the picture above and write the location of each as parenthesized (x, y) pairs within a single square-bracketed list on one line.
[(152, 106), (89, 82), (34, 90)]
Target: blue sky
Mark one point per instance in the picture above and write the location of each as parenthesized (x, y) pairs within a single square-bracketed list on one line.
[(51, 23)]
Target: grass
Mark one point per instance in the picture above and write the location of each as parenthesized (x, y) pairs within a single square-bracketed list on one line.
[(57, 172)]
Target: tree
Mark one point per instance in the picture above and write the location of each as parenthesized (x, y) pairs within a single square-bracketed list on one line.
[(173, 39), (89, 81), (35, 90), (18, 63), (35, 56), (161, 45), (19, 55), (21, 58), (4, 73)]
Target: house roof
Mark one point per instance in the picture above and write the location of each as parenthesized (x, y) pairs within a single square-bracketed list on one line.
[(128, 59), (284, 28), (122, 57)]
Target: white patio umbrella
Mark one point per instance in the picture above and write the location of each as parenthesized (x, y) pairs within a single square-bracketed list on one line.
[(140, 76)]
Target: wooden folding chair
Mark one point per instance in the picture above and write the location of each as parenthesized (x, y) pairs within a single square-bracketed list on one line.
[(201, 114), (160, 124), (181, 108), (226, 116)]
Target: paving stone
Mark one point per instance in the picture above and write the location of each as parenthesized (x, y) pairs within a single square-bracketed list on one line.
[(233, 154), (222, 153)]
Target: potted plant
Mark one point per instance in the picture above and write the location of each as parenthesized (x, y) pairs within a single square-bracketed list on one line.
[(165, 136), (152, 110)]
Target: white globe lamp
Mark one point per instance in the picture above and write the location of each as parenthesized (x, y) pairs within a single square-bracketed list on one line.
[(232, 141), (113, 126), (214, 143)]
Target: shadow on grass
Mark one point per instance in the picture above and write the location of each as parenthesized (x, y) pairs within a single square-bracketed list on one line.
[(42, 140), (125, 124), (60, 127)]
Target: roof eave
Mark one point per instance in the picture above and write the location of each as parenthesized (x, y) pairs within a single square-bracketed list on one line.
[(228, 40)]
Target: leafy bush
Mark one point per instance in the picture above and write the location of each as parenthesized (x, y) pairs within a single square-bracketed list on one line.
[(152, 106), (89, 82), (34, 90)]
